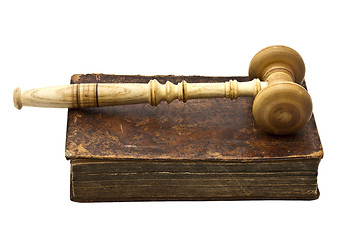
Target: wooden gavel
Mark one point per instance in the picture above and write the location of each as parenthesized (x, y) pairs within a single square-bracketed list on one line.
[(281, 105)]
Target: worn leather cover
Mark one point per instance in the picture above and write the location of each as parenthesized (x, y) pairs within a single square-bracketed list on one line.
[(204, 133)]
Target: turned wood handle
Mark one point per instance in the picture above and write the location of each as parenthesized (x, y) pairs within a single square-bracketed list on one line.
[(103, 94)]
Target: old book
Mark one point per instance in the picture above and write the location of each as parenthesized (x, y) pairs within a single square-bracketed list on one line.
[(209, 149)]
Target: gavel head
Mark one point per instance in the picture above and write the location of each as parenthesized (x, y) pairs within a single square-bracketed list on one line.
[(283, 107)]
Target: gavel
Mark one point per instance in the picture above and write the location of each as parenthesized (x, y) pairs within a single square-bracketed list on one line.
[(281, 105)]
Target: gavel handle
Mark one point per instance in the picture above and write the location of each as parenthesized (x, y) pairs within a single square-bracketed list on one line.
[(103, 94)]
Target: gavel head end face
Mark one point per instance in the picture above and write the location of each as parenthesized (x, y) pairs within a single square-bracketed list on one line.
[(282, 108), (279, 56)]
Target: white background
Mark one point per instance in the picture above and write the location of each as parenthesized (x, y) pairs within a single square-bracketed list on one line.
[(42, 43)]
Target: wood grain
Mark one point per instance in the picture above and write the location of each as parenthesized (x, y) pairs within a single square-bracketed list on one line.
[(284, 106), (278, 106), (103, 94)]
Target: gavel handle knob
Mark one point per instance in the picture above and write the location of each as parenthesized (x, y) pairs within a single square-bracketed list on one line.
[(103, 94)]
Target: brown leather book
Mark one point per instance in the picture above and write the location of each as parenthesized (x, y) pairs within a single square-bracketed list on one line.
[(208, 149)]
